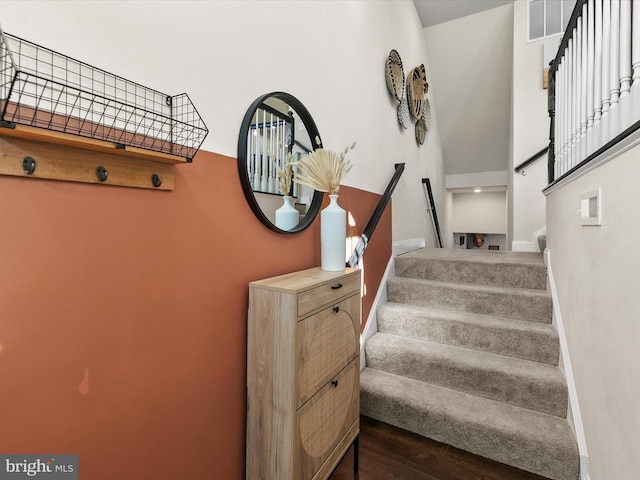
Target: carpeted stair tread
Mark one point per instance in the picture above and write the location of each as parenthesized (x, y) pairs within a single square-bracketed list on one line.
[(508, 269), (532, 385), (489, 333), (520, 303), (533, 441)]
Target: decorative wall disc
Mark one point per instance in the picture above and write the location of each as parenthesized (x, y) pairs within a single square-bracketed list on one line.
[(426, 115), (424, 75), (416, 87), (394, 74), (420, 132), (404, 117)]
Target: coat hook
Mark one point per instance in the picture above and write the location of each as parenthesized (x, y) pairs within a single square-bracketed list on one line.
[(28, 165), (156, 180), (102, 173)]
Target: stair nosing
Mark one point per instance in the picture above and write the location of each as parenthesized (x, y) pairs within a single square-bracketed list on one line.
[(475, 287), (476, 318), (509, 431), (481, 353), (496, 404), (533, 385)]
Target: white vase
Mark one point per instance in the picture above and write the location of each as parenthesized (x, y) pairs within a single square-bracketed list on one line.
[(287, 217), (333, 236)]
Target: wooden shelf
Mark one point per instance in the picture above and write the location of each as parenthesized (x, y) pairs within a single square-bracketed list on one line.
[(61, 156), (49, 136), (75, 122)]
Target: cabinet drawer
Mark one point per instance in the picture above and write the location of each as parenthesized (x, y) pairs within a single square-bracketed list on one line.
[(327, 293), (325, 419), (325, 343)]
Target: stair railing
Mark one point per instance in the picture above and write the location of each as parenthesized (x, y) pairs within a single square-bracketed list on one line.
[(521, 168), (271, 137), (594, 84), (361, 246), (431, 208)]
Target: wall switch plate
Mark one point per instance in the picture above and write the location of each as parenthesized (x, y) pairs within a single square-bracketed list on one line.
[(590, 207)]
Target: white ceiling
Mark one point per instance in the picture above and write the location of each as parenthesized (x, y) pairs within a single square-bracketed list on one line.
[(433, 12)]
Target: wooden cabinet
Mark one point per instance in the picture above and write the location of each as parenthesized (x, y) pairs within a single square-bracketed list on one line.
[(303, 372)]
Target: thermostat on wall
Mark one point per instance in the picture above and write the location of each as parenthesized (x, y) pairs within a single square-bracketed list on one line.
[(590, 207)]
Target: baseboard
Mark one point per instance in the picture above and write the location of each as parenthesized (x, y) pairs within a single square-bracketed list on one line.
[(405, 246), (568, 371), (371, 326), (524, 246)]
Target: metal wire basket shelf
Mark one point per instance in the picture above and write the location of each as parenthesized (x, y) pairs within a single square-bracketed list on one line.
[(45, 89)]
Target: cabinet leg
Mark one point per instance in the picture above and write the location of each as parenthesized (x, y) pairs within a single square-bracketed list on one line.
[(356, 453)]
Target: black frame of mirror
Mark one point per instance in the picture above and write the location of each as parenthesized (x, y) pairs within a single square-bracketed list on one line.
[(316, 142)]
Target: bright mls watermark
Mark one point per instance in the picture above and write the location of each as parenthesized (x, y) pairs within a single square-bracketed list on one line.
[(45, 467)]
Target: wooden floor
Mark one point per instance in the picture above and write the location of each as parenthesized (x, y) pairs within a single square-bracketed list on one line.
[(388, 453)]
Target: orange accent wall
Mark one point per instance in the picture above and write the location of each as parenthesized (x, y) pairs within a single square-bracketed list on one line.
[(123, 318)]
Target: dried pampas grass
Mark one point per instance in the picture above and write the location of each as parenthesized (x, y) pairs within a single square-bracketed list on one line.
[(285, 175), (323, 170)]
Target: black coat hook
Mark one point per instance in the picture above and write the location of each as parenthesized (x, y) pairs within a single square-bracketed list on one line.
[(28, 165), (102, 173), (156, 181)]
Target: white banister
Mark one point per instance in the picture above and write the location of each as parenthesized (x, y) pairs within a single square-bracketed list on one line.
[(267, 149), (559, 133), (569, 106), (563, 106), (566, 105), (264, 179), (614, 72), (273, 183), (584, 74), (597, 82), (606, 68), (635, 59), (590, 57), (577, 56), (625, 64)]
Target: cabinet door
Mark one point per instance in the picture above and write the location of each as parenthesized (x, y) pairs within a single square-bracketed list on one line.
[(326, 418), (325, 343)]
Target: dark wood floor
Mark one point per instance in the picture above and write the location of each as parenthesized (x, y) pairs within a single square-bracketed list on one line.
[(388, 453)]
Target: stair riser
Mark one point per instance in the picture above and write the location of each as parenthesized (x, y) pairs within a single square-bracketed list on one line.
[(482, 438), (533, 276), (547, 395), (535, 308), (535, 346)]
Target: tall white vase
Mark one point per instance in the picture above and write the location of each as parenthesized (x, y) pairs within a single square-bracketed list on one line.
[(333, 236), (287, 217)]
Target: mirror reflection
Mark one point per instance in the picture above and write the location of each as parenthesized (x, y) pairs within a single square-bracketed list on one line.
[(276, 132)]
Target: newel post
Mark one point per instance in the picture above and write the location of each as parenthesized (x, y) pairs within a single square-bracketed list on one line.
[(551, 103)]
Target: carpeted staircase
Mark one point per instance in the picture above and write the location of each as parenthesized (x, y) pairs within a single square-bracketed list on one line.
[(466, 354)]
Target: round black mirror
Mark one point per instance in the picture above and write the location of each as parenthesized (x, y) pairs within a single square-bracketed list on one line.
[(276, 129)]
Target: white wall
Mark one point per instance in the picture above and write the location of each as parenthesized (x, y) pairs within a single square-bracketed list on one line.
[(479, 212), (530, 130), (330, 55), (471, 61), (529, 205), (596, 271)]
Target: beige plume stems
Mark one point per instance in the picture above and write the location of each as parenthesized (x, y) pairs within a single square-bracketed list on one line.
[(323, 170)]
